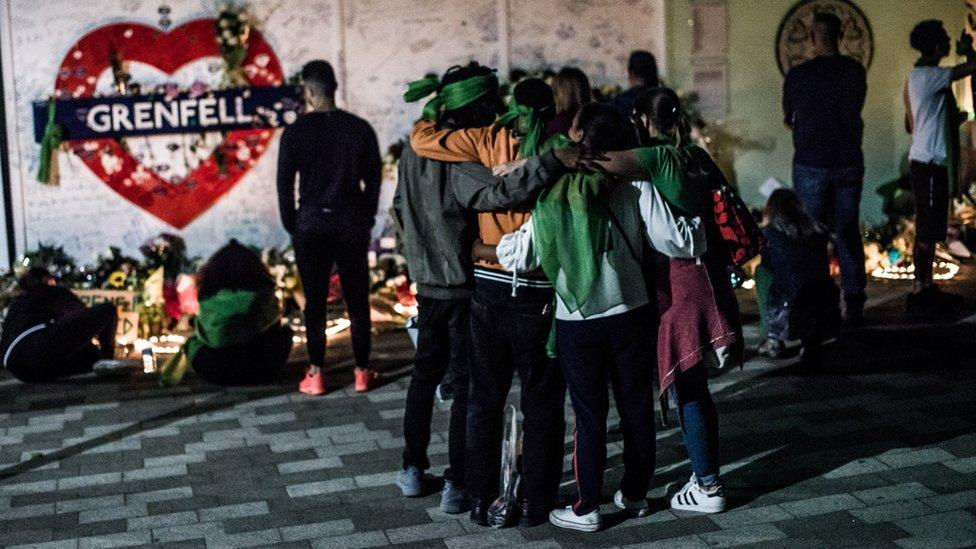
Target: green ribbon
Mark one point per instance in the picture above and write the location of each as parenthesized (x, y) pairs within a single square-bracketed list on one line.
[(952, 118), (49, 143), (449, 97), (530, 123)]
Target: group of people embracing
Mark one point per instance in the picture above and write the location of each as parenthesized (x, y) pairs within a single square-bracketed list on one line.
[(589, 261)]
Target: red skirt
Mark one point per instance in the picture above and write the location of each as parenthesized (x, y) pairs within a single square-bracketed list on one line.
[(697, 316)]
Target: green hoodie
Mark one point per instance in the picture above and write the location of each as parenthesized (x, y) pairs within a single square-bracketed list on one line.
[(226, 319)]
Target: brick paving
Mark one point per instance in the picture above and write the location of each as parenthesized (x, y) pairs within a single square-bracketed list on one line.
[(876, 448)]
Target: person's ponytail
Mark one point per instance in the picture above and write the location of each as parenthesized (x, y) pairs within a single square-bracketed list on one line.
[(663, 107)]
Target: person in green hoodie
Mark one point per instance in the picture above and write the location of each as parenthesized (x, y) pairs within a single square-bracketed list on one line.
[(238, 336)]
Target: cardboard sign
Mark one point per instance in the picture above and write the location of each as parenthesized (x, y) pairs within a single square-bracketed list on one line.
[(124, 300)]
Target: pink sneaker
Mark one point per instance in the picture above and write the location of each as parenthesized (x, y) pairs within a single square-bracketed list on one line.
[(366, 379), (312, 384)]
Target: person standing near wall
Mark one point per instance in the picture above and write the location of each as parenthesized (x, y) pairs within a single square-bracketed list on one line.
[(932, 118), (338, 162), (436, 204), (642, 76), (822, 102)]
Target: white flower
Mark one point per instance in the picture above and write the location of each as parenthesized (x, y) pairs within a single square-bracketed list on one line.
[(232, 41)]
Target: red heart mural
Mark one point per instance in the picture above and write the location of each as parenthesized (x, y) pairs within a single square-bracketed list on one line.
[(177, 203)]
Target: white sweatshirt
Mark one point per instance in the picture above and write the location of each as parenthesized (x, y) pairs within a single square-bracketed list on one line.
[(643, 213)]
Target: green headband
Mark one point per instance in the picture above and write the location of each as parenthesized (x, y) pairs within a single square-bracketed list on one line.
[(451, 96), (534, 130)]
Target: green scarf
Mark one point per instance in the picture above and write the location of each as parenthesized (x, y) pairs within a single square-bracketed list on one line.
[(49, 143), (451, 96), (570, 227), (952, 119), (570, 223), (528, 121), (227, 318)]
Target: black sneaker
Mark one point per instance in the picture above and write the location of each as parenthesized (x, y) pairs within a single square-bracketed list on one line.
[(479, 511), (533, 514)]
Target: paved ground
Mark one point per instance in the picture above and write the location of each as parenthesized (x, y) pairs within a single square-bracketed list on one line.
[(877, 448)]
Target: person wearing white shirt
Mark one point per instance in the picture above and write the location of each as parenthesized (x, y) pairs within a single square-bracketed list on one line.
[(930, 118), (610, 335)]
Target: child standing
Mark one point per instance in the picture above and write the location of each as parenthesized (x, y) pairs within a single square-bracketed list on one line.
[(802, 302)]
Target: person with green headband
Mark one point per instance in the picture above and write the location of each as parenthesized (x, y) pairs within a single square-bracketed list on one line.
[(933, 120), (595, 240), (435, 204), (511, 318)]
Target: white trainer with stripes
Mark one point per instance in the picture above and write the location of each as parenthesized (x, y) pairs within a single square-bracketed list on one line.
[(692, 497)]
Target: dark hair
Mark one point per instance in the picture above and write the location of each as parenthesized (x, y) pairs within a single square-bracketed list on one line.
[(603, 128), (479, 113), (831, 23), (35, 278), (535, 93), (233, 267), (927, 36), (318, 76), (571, 90), (663, 106), (643, 65), (785, 213)]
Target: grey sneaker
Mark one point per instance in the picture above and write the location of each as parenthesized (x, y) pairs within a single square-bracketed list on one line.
[(410, 481), (454, 500)]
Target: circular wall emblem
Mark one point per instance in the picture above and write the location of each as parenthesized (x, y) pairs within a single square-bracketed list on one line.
[(793, 39)]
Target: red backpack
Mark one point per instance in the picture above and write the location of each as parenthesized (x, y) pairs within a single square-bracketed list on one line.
[(738, 227)]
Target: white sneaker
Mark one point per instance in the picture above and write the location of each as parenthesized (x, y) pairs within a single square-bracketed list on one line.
[(108, 366), (638, 508), (694, 498), (567, 518)]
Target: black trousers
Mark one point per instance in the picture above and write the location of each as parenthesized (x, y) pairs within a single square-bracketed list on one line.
[(256, 362), (509, 334), (930, 187), (320, 244), (623, 349), (64, 348), (441, 324)]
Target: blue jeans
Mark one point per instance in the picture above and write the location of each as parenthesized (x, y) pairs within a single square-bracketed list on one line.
[(699, 423), (833, 196)]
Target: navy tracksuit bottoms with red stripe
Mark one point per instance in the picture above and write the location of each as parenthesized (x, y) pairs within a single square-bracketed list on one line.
[(622, 349)]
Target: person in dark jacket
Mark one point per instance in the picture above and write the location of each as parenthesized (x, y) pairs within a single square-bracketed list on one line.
[(242, 340), (338, 162), (642, 75), (822, 103), (803, 301), (47, 333), (436, 204)]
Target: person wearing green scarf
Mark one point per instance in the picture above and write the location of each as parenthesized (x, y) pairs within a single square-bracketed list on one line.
[(933, 120), (511, 316), (592, 236), (238, 338)]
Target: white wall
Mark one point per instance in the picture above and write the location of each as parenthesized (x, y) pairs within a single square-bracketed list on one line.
[(378, 46)]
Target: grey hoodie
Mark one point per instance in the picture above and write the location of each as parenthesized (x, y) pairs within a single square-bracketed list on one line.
[(436, 205)]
